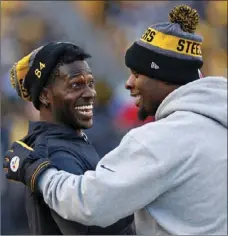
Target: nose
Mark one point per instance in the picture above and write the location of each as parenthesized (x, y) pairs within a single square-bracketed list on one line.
[(130, 83), (89, 92)]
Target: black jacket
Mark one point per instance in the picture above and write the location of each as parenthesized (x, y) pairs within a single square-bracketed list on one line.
[(74, 154)]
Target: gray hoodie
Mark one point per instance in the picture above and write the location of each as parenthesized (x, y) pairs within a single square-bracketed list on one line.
[(171, 173)]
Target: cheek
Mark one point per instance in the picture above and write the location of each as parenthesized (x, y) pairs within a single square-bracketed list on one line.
[(70, 97), (149, 96), (65, 97), (139, 86), (58, 101), (142, 88)]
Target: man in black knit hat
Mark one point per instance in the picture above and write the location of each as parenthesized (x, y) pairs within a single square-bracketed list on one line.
[(59, 82), (172, 173)]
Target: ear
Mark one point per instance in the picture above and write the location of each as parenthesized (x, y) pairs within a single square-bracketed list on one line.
[(45, 97)]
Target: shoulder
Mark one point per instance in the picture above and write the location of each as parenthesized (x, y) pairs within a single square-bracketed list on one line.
[(65, 160), (167, 136)]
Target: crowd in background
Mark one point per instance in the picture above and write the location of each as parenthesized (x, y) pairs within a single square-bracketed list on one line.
[(105, 29)]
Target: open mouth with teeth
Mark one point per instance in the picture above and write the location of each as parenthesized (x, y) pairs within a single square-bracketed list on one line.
[(85, 110), (138, 98)]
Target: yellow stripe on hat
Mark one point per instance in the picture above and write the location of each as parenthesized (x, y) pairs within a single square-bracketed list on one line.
[(25, 145), (22, 68), (172, 43)]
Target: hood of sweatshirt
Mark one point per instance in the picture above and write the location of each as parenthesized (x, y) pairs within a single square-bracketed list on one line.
[(206, 97)]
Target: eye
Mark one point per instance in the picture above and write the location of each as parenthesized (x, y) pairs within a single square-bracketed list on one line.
[(76, 84), (91, 83), (136, 75)]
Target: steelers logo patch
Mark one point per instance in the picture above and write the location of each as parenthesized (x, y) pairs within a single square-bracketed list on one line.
[(14, 164)]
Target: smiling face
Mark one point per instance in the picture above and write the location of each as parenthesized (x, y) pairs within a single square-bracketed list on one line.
[(72, 95), (149, 93)]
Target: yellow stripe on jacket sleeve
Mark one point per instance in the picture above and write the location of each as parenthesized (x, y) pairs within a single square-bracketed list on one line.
[(25, 145)]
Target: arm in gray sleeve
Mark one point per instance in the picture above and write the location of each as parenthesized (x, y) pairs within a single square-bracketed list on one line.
[(126, 179)]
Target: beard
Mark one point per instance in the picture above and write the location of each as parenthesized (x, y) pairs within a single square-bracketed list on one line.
[(65, 117), (142, 114)]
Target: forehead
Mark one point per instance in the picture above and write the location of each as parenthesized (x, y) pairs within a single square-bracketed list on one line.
[(75, 68), (143, 80)]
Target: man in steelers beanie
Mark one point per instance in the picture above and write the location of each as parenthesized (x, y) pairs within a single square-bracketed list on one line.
[(167, 56), (172, 173), (58, 81)]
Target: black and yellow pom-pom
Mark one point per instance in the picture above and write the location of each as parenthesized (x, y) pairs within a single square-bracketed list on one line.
[(13, 76), (186, 17)]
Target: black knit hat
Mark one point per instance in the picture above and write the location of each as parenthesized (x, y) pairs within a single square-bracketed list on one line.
[(169, 51), (29, 75)]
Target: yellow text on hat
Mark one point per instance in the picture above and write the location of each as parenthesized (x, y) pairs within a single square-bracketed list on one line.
[(172, 43)]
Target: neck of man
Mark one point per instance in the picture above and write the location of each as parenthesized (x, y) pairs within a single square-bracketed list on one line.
[(47, 117)]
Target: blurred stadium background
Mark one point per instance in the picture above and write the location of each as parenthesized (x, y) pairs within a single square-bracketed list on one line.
[(105, 29)]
